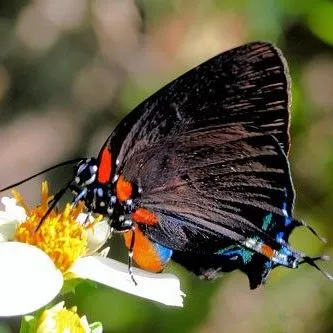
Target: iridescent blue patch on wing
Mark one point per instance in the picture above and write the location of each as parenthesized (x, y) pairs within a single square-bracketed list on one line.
[(268, 266), (236, 251), (279, 237), (287, 219), (286, 250), (163, 252), (267, 220), (273, 223)]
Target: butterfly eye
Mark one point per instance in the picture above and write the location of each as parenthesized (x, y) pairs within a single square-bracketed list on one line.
[(86, 172)]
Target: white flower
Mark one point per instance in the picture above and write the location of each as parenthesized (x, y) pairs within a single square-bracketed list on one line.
[(59, 319), (9, 218), (163, 288), (29, 278)]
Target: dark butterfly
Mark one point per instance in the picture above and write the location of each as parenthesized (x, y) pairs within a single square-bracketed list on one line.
[(198, 172)]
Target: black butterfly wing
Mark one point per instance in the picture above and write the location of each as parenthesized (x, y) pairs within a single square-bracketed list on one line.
[(246, 85), (212, 190), (212, 183), (210, 266), (209, 152)]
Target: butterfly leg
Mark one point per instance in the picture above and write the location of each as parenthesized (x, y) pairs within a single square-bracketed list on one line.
[(87, 219), (130, 255), (312, 262), (127, 226), (312, 230)]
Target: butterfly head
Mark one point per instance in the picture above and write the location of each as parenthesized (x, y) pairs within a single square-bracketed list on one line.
[(98, 197), (85, 173)]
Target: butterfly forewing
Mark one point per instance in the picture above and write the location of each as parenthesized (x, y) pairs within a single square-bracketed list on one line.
[(246, 85)]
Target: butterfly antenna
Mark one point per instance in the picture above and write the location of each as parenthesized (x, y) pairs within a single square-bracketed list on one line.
[(312, 262), (313, 231), (41, 172), (55, 200)]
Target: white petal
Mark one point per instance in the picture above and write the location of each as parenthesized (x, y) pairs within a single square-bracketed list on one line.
[(97, 236), (83, 217), (28, 279), (7, 230), (163, 288), (85, 324), (9, 218), (12, 210)]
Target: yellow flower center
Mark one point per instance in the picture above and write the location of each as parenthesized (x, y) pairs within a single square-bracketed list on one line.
[(60, 235), (68, 321), (60, 320)]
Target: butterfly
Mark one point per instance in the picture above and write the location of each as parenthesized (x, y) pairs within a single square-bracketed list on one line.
[(198, 172)]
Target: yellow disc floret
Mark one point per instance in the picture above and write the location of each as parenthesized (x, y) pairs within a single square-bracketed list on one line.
[(59, 319), (60, 235)]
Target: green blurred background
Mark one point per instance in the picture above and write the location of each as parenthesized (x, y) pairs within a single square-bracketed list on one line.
[(71, 69)]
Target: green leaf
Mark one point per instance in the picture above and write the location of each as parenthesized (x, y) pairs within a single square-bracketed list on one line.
[(28, 324)]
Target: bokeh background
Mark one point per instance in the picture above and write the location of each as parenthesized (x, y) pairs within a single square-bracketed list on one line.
[(71, 69)]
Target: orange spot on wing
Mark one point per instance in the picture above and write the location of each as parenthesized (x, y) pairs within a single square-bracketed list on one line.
[(144, 252), (123, 189), (267, 251), (105, 166), (143, 215)]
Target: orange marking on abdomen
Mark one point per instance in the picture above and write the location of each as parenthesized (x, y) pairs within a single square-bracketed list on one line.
[(105, 166), (123, 189), (144, 253), (267, 251), (144, 216)]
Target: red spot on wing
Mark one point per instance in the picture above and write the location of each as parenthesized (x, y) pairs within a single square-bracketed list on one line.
[(123, 189), (144, 216), (144, 252), (267, 251), (105, 166)]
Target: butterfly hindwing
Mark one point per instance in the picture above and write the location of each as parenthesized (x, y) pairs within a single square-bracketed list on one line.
[(227, 179), (254, 265)]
